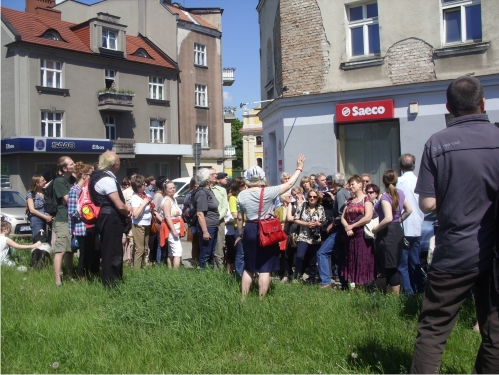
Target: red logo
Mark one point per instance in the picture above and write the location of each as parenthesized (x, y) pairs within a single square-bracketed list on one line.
[(380, 109)]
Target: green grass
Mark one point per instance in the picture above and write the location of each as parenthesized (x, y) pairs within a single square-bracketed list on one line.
[(192, 321)]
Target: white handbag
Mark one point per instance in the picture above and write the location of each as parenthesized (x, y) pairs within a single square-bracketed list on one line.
[(368, 228)]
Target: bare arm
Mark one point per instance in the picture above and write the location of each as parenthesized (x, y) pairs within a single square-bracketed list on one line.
[(120, 206), (22, 247), (427, 204), (407, 210), (240, 220), (368, 215), (202, 225), (289, 214), (294, 177), (33, 211), (168, 218)]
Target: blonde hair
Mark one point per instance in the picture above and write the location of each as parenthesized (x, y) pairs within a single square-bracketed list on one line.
[(256, 181), (34, 180), (106, 160)]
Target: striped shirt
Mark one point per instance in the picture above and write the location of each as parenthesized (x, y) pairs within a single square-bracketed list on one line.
[(248, 201), (75, 225)]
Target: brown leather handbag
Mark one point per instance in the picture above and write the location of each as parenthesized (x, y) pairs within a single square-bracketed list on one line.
[(269, 228)]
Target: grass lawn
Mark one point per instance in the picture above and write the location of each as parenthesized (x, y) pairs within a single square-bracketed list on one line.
[(192, 321)]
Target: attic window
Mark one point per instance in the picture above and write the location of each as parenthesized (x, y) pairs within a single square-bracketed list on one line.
[(141, 52), (52, 35)]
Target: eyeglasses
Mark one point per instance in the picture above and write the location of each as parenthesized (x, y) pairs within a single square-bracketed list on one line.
[(312, 197), (370, 192)]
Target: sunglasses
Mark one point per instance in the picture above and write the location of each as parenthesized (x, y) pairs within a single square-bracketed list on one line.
[(312, 197), (370, 192)]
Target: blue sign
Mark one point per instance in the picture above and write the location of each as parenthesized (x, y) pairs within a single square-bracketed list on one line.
[(55, 145)]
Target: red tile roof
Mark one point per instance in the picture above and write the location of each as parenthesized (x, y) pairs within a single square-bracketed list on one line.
[(183, 17), (31, 28)]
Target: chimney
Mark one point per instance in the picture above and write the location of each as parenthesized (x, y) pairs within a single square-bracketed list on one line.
[(43, 8)]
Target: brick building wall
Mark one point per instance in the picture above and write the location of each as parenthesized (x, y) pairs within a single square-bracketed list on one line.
[(410, 61), (304, 48)]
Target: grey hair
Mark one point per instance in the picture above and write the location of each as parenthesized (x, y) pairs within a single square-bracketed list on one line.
[(255, 181), (284, 175), (282, 197), (339, 179), (319, 175), (106, 160), (202, 176)]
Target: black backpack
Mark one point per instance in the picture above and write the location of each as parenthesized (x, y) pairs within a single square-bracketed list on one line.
[(50, 203), (189, 212)]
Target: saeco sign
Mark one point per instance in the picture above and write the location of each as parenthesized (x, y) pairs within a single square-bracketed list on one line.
[(349, 112)]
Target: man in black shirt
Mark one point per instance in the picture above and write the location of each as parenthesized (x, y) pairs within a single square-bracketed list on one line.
[(462, 158)]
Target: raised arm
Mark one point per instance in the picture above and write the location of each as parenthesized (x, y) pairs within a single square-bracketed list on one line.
[(300, 162)]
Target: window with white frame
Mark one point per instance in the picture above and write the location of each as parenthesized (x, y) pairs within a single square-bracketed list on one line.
[(201, 92), (363, 30), (202, 136), (51, 124), (109, 39), (110, 78), (157, 131), (51, 74), (156, 88), (199, 54), (110, 127), (462, 21)]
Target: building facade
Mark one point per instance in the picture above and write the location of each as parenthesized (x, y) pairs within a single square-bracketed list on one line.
[(79, 89), (252, 138), (357, 83)]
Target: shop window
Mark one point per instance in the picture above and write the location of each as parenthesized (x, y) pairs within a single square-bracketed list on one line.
[(51, 74), (51, 124), (363, 30), (462, 21), (369, 148)]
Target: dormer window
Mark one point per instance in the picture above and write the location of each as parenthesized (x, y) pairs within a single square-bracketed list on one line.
[(52, 35), (141, 52), (109, 39)]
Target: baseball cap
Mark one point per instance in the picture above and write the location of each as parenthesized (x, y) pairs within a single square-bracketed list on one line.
[(329, 178), (221, 175)]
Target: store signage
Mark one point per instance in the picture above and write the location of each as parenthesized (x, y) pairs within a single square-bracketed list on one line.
[(29, 144), (380, 109)]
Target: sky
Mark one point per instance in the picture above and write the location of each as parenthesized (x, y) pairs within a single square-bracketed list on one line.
[(240, 43)]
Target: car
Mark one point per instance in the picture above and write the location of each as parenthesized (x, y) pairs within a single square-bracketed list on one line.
[(13, 208), (181, 189)]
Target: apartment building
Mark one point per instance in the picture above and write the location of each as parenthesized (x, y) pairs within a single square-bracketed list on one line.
[(356, 83), (252, 138), (79, 89), (193, 38)]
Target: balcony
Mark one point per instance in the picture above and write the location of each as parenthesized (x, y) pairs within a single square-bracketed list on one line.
[(124, 147), (115, 101), (230, 152), (229, 114), (228, 76)]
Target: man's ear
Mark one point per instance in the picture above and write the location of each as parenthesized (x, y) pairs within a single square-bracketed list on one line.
[(482, 106), (448, 108)]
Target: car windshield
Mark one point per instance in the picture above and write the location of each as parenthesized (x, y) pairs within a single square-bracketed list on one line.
[(12, 199), (178, 188)]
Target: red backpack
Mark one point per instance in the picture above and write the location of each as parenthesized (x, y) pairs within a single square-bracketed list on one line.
[(89, 212)]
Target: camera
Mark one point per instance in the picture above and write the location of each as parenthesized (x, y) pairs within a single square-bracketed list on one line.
[(316, 233)]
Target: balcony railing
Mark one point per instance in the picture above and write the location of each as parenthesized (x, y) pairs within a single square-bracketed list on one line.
[(228, 76), (115, 101), (229, 114), (230, 152)]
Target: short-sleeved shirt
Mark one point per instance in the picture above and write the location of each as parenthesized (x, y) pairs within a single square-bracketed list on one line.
[(145, 219), (396, 214), (304, 213), (248, 201), (414, 223), (61, 188), (460, 168), (221, 195), (207, 203), (38, 201), (106, 185)]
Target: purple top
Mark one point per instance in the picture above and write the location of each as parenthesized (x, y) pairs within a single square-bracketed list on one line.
[(396, 214)]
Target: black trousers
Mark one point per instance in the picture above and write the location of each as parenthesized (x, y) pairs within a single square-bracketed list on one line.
[(110, 228), (443, 297), (89, 261)]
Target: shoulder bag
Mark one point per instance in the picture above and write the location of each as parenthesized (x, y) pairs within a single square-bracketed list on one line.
[(269, 227), (368, 228), (293, 238)]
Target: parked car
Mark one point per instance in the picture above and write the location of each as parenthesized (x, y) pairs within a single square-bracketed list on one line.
[(182, 188), (13, 208)]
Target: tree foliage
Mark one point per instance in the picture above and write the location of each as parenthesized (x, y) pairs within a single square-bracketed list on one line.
[(237, 141)]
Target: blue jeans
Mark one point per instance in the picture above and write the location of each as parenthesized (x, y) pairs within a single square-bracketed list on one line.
[(239, 263), (161, 253), (36, 224), (323, 256), (207, 248), (410, 268)]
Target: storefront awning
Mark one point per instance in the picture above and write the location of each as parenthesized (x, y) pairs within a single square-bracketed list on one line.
[(162, 149), (16, 145)]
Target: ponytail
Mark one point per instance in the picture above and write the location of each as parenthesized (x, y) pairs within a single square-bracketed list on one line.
[(390, 178), (392, 190)]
